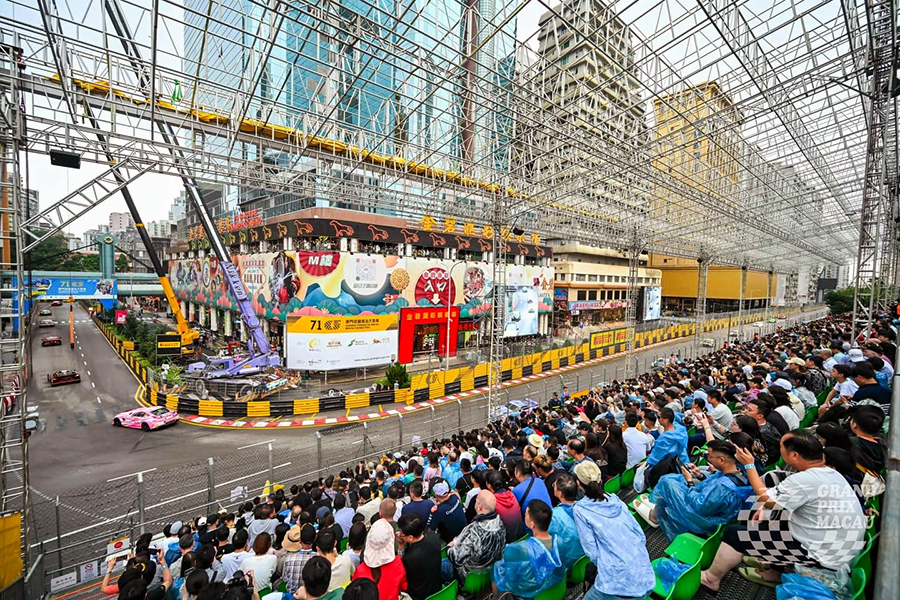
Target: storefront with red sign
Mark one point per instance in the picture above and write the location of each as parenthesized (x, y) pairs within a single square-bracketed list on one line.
[(425, 329)]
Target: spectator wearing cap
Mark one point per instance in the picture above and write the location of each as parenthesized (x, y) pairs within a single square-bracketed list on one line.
[(299, 546), (612, 539), (381, 564), (447, 516), (421, 557), (532, 565)]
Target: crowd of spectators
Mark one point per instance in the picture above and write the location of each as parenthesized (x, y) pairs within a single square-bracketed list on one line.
[(524, 497)]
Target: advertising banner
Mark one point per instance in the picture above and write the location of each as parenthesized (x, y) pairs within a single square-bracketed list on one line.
[(329, 283), (77, 288), (326, 343), (121, 315), (602, 339), (168, 344)]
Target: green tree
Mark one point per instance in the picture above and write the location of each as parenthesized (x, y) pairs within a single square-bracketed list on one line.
[(840, 301), (396, 373), (48, 255), (123, 265), (90, 262)]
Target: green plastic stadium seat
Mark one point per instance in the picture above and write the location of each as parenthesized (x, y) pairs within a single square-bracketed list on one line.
[(685, 588), (344, 543), (448, 592), (864, 560), (577, 571), (689, 548), (612, 486), (628, 477), (476, 581), (557, 592)]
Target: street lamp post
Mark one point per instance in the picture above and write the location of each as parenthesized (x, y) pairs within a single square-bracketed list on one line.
[(450, 312)]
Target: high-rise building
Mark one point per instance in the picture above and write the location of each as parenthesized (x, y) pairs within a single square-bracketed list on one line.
[(33, 206), (589, 94), (120, 221), (161, 229), (698, 153), (355, 88), (178, 208)]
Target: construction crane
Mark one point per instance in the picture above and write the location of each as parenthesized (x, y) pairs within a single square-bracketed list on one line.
[(260, 354)]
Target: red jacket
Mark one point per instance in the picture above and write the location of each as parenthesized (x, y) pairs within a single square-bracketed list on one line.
[(391, 579)]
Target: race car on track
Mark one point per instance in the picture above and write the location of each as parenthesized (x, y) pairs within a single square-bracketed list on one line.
[(63, 377), (47, 323), (56, 303), (146, 419), (45, 312), (52, 340)]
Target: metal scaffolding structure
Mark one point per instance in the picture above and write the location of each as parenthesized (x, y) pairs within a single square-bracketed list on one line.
[(700, 310), (14, 490), (289, 100), (761, 134)]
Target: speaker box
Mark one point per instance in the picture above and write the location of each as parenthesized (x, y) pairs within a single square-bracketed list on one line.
[(61, 158)]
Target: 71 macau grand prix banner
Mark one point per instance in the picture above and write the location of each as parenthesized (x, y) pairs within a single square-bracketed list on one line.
[(328, 343), (77, 288)]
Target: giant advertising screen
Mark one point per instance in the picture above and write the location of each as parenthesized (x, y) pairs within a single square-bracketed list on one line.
[(652, 303), (521, 317), (77, 288), (328, 343)]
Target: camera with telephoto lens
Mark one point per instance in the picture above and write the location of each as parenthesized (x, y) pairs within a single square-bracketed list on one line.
[(240, 580)]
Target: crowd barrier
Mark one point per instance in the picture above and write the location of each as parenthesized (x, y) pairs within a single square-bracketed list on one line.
[(425, 386)]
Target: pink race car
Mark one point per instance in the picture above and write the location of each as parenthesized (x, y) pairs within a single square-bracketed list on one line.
[(146, 418)]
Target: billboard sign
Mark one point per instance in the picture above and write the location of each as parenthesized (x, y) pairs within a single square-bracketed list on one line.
[(652, 303), (74, 288), (521, 317), (168, 344), (328, 343), (602, 339)]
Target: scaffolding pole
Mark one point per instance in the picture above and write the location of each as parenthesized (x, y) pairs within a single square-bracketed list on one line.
[(700, 310), (634, 261), (740, 328)]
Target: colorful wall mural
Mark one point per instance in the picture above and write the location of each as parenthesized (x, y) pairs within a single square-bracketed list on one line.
[(340, 283)]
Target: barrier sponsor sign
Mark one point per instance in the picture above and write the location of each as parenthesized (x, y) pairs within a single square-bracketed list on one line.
[(325, 343), (602, 339), (168, 344), (63, 581), (121, 315), (90, 570), (70, 288)]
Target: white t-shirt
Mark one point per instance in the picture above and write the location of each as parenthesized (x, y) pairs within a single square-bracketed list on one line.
[(826, 517), (723, 416), (341, 572), (263, 568), (638, 444), (848, 388), (790, 417), (231, 562)]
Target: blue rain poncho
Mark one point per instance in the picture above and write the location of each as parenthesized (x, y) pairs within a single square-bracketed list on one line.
[(615, 543), (562, 528), (670, 443), (451, 472), (528, 568), (702, 508)]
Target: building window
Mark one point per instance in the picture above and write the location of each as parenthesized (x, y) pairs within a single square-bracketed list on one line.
[(582, 294), (562, 276), (579, 277), (592, 278), (592, 295)]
